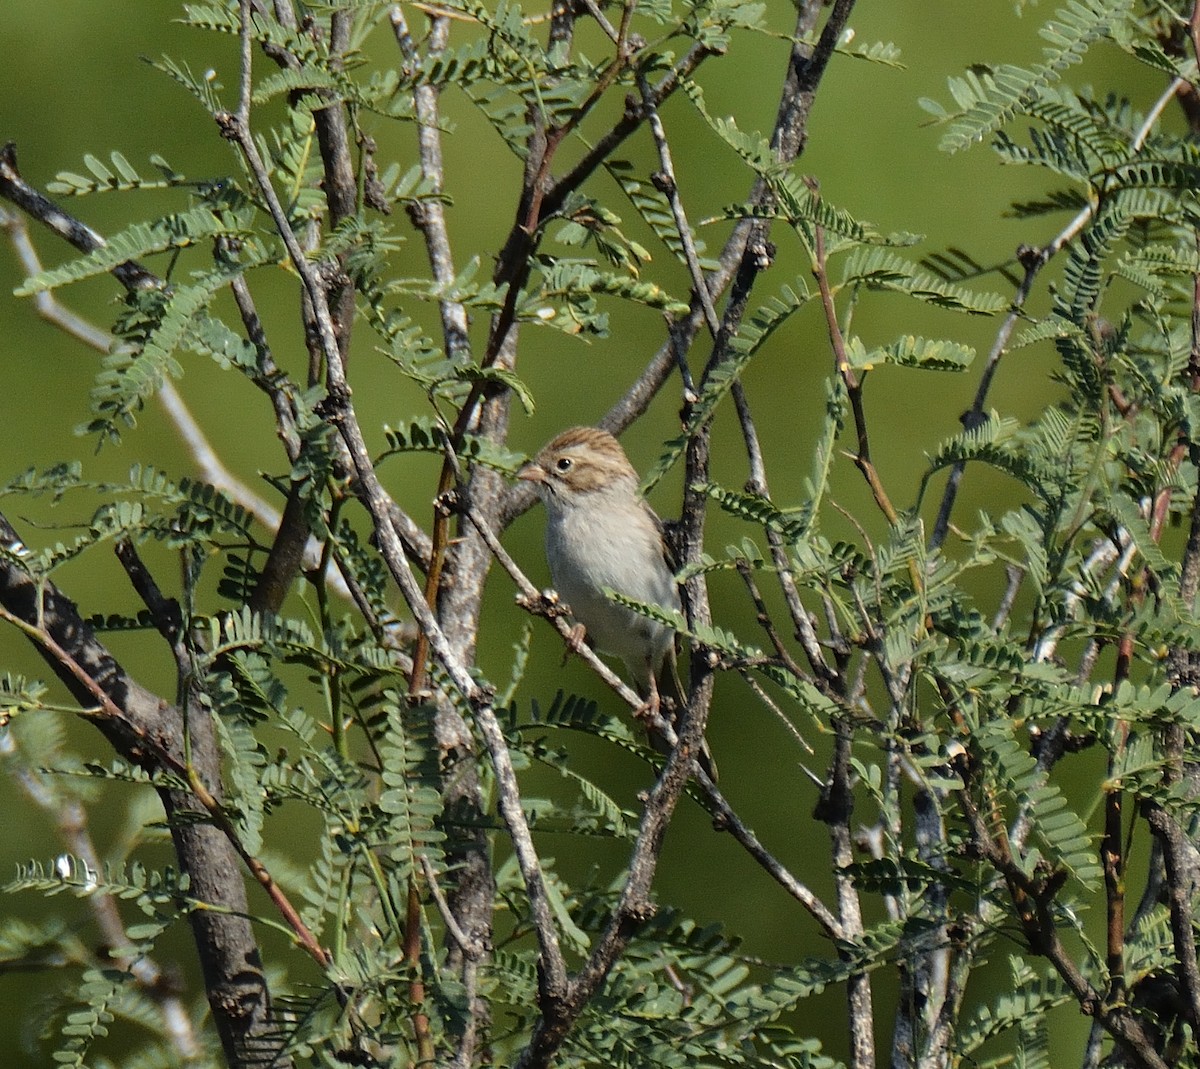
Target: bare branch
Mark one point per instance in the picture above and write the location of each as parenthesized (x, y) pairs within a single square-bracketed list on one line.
[(149, 733), (666, 183), (429, 215), (342, 416), (70, 821)]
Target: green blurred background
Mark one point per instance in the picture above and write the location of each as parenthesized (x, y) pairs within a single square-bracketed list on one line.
[(74, 84)]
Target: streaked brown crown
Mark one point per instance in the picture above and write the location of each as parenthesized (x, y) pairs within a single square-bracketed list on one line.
[(584, 459)]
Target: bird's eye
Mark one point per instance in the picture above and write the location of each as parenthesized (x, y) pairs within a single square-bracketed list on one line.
[(563, 464)]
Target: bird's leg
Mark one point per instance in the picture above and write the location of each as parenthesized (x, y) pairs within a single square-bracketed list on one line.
[(575, 641), (650, 708)]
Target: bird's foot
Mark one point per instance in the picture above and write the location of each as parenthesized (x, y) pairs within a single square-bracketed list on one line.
[(649, 710), (576, 640)]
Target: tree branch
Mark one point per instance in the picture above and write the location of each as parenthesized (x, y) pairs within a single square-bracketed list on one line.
[(341, 415), (1033, 260), (145, 731), (1033, 898)]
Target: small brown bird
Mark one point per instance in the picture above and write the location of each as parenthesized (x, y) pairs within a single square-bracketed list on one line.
[(602, 534)]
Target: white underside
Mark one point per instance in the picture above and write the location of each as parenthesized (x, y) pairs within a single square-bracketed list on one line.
[(592, 548)]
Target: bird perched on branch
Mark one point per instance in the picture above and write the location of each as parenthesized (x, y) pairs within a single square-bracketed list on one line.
[(601, 534)]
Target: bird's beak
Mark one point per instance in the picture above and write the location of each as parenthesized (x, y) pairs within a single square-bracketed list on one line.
[(531, 473)]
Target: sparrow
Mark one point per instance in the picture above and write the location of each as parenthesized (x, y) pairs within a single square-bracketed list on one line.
[(601, 534)]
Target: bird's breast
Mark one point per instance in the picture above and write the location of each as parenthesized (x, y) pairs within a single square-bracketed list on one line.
[(597, 547)]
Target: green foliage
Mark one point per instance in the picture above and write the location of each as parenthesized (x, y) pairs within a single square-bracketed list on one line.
[(150, 890), (180, 231), (988, 97), (883, 269), (1028, 1000), (953, 672), (125, 179), (934, 354)]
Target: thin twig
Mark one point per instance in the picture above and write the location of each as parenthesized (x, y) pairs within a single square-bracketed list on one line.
[(1033, 260), (107, 708), (852, 383), (536, 602), (70, 820), (470, 947), (1014, 576), (757, 483), (763, 616), (48, 306), (784, 719), (550, 608), (267, 376), (666, 183), (342, 415), (593, 9)]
